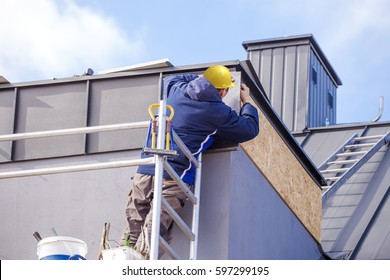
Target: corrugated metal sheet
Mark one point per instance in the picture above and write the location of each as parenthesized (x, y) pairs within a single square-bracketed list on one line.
[(356, 217), (322, 95), (297, 78)]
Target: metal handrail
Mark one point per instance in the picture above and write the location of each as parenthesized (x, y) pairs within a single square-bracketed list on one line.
[(73, 131), (75, 168)]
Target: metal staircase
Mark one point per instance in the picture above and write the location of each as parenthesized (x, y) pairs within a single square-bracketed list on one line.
[(352, 155)]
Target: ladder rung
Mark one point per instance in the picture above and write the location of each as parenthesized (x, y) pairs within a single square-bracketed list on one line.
[(336, 170), (351, 154), (332, 178), (180, 182), (354, 146), (168, 249), (363, 138), (342, 162), (179, 221)]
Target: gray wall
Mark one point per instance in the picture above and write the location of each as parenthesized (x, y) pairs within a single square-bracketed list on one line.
[(241, 215), (75, 104), (75, 204)]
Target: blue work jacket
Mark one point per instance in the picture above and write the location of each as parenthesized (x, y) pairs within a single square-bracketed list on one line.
[(201, 116)]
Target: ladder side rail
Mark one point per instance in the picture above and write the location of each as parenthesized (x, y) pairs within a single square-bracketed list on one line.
[(333, 156), (196, 211), (336, 185), (180, 182), (178, 220), (158, 179), (73, 131), (75, 168)]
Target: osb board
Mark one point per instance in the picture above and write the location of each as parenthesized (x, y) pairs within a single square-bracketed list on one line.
[(287, 176)]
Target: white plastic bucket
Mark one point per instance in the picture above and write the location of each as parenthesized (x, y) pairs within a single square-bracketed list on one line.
[(61, 248)]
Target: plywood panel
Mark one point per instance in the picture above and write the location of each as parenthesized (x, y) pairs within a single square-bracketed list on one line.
[(285, 173)]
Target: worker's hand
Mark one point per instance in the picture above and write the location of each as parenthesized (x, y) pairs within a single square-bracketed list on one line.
[(244, 93)]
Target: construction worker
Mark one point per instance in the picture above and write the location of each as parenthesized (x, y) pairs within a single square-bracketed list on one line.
[(200, 117)]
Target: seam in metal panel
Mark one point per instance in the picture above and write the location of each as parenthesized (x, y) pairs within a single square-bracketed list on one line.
[(15, 124), (88, 115)]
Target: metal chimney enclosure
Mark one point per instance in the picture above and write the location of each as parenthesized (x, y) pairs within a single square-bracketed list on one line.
[(298, 80)]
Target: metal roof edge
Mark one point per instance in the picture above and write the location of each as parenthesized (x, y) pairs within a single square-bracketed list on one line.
[(343, 127), (283, 39), (151, 71), (262, 101)]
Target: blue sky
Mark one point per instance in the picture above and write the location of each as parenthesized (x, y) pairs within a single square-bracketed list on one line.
[(42, 39)]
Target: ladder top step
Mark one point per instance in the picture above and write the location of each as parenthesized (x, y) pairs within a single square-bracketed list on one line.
[(336, 170), (350, 154), (332, 178), (351, 161), (359, 145), (362, 138)]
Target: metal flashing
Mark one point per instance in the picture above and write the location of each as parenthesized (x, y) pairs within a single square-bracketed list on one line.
[(3, 80), (141, 66)]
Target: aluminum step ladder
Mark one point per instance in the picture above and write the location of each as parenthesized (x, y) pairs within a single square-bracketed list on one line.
[(161, 164), (349, 158)]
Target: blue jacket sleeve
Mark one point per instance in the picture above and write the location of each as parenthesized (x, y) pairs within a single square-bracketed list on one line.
[(240, 128), (174, 82)]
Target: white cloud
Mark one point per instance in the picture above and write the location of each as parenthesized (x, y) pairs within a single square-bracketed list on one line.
[(43, 39)]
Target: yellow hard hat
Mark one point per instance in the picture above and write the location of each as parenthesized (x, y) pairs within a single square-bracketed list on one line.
[(219, 76)]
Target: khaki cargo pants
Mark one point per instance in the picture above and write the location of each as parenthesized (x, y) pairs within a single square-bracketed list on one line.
[(139, 211)]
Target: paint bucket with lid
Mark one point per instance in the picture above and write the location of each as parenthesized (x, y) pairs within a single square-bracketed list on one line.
[(61, 248)]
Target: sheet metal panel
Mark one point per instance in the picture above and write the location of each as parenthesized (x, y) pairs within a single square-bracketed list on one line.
[(320, 145), (290, 101), (347, 215), (48, 108), (355, 218), (322, 95), (285, 68), (7, 112), (302, 88), (114, 101), (375, 243), (283, 74)]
